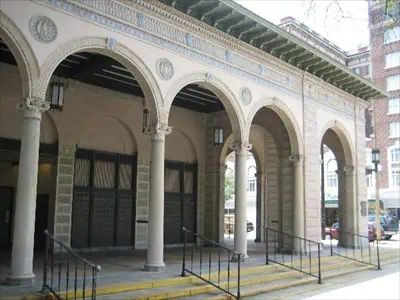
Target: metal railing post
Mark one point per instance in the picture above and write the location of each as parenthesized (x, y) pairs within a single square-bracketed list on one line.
[(238, 288), (46, 260), (377, 249), (184, 253), (330, 234), (266, 247), (319, 263)]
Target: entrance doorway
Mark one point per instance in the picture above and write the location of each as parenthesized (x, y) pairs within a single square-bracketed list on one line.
[(41, 219), (180, 200)]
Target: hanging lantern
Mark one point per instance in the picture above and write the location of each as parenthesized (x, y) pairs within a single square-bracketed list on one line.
[(218, 136), (56, 96), (376, 156)]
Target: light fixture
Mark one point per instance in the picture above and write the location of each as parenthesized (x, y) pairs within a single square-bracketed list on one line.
[(376, 156), (218, 136), (145, 117), (56, 96)]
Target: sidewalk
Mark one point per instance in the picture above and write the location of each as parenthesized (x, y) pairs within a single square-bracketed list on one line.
[(386, 287)]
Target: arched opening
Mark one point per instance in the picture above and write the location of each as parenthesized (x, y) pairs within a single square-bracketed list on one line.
[(15, 77), (199, 107), (337, 186), (253, 190), (101, 121), (279, 144)]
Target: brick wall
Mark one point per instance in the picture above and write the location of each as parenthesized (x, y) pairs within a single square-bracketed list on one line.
[(379, 75)]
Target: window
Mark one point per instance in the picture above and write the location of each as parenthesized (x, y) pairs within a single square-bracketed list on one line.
[(392, 35), (356, 70), (393, 83), (394, 106), (394, 165), (395, 155), (331, 180), (251, 185), (394, 129), (392, 60)]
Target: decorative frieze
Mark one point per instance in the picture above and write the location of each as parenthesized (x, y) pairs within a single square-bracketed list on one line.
[(132, 20)]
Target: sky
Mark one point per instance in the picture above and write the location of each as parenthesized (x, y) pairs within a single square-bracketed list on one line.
[(346, 24)]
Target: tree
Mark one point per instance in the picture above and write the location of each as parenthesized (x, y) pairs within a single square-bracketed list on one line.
[(229, 184)]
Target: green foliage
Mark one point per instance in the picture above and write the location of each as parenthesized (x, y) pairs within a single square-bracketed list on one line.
[(392, 12), (229, 184)]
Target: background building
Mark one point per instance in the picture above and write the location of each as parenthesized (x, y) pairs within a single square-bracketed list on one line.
[(379, 62), (385, 58)]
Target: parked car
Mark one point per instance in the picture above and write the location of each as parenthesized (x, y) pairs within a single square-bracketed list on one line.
[(372, 231), (333, 231), (389, 224), (250, 226)]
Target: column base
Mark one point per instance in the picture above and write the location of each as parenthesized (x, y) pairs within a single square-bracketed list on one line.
[(154, 267), (22, 280), (243, 258)]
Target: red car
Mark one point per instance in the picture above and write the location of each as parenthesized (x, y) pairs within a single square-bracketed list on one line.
[(333, 231)]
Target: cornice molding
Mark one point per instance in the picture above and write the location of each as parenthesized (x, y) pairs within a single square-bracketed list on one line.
[(160, 25)]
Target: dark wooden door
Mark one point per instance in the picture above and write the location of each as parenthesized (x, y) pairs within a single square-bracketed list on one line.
[(179, 200), (104, 199), (6, 208)]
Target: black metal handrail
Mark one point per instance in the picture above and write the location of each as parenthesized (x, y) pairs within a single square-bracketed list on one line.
[(289, 244), (348, 241), (213, 279), (63, 259)]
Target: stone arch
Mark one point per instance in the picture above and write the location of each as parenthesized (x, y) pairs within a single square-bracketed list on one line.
[(344, 137), (190, 154), (336, 137), (120, 53), (221, 90), (284, 112), (21, 50)]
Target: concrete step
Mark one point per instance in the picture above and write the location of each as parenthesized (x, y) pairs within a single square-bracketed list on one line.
[(190, 285)]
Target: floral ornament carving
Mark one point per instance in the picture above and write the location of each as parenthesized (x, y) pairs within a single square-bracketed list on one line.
[(165, 69), (66, 150), (158, 132), (245, 96), (33, 108), (43, 29)]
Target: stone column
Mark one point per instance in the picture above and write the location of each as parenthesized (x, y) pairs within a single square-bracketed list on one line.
[(298, 202), (24, 224), (155, 235), (241, 149)]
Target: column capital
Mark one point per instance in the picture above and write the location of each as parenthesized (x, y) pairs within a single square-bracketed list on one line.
[(241, 147), (158, 132), (33, 107), (296, 158)]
